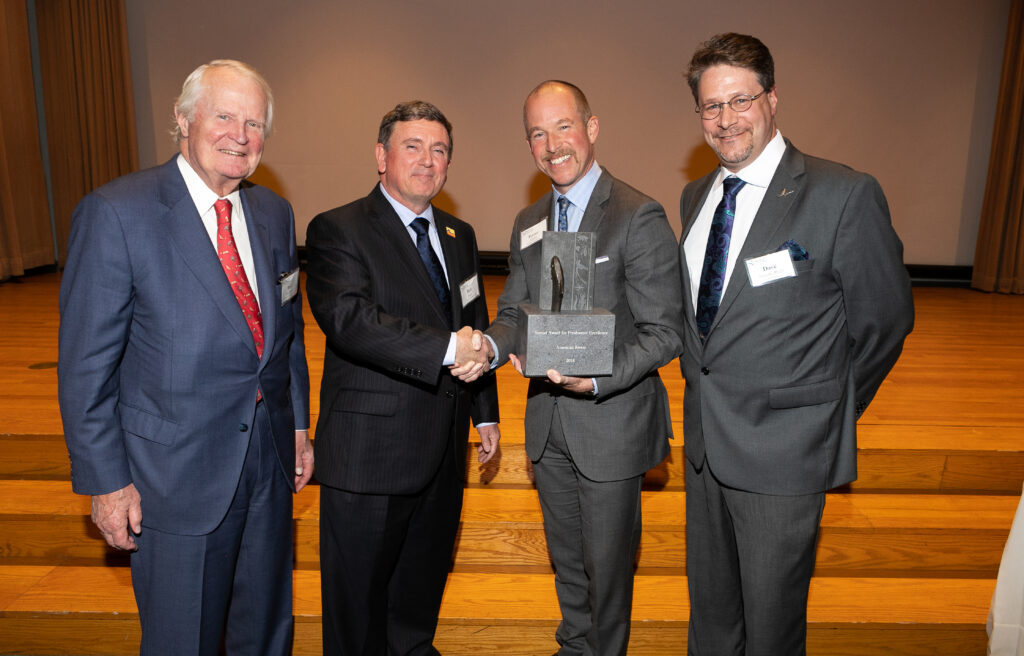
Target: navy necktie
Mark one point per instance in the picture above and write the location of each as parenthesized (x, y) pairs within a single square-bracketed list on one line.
[(716, 256), (422, 228), (563, 214)]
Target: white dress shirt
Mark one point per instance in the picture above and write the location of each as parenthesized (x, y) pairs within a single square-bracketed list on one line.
[(757, 175), (203, 197)]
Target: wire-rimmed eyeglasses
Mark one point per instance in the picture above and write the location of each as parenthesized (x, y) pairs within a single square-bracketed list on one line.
[(740, 103)]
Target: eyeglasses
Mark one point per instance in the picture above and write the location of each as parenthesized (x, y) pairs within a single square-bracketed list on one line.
[(740, 103)]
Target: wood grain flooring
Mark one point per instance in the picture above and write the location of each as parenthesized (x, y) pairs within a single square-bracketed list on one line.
[(906, 561)]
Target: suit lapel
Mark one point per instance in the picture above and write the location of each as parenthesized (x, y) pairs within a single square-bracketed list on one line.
[(539, 211), (185, 229), (689, 215), (447, 235), (594, 213), (763, 237), (396, 235), (259, 242)]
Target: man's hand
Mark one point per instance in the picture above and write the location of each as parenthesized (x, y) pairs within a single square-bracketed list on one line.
[(118, 515), (472, 355), (489, 436), (303, 459), (570, 383)]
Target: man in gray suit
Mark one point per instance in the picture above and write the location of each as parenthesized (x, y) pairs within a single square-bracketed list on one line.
[(797, 305), (591, 440)]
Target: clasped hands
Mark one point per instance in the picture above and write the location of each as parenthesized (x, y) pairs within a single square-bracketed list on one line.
[(473, 355)]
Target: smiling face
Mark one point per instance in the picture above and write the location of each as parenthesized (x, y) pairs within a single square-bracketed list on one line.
[(561, 140), (413, 166), (223, 141), (736, 137)]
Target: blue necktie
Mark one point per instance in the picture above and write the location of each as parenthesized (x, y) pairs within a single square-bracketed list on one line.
[(563, 214), (422, 228), (716, 256)]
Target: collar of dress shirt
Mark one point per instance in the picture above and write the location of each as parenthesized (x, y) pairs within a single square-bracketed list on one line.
[(406, 215), (202, 196), (761, 171), (579, 193)]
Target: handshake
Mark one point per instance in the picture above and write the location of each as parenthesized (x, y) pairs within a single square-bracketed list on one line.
[(473, 355)]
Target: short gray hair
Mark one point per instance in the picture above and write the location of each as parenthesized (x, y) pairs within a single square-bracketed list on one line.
[(193, 88)]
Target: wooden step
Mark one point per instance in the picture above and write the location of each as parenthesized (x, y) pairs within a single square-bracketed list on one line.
[(72, 609), (946, 459), (44, 523)]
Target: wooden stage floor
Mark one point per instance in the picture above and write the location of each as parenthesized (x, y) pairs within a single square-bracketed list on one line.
[(906, 561)]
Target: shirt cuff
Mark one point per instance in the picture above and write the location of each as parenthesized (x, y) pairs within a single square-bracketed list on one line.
[(449, 355), (494, 350)]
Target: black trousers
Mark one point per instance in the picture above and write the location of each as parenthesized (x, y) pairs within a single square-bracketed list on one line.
[(384, 562)]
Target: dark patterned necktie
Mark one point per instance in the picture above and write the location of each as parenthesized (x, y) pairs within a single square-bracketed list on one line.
[(422, 228), (563, 214), (716, 256), (232, 265)]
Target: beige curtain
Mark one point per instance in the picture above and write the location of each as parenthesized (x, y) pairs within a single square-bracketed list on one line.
[(26, 240), (90, 116), (999, 257)]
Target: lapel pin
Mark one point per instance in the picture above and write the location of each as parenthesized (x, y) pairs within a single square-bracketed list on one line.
[(450, 231), (785, 192)]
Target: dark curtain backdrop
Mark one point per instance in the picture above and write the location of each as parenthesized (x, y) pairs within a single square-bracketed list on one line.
[(26, 240), (999, 256), (87, 90)]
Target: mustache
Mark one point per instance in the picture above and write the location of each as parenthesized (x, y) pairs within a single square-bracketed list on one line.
[(559, 153)]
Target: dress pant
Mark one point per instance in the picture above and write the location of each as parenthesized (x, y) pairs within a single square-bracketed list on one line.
[(384, 562), (749, 559), (233, 584), (593, 531)]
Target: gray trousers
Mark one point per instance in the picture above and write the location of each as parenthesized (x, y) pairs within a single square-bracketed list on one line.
[(592, 530), (749, 559)]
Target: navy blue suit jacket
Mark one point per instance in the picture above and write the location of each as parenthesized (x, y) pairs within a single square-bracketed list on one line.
[(158, 373)]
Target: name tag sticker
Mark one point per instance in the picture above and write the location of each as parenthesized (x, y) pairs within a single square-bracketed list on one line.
[(470, 289), (603, 258), (769, 268), (289, 285), (532, 235)]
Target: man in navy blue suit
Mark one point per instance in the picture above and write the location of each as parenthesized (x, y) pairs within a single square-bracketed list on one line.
[(182, 376)]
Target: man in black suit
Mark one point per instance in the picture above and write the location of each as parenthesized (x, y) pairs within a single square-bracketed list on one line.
[(797, 305), (389, 278)]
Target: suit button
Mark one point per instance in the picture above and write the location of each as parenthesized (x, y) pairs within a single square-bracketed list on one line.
[(242, 428), (450, 395), (705, 370)]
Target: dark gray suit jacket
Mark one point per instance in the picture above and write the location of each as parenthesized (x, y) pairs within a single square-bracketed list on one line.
[(773, 394), (624, 431)]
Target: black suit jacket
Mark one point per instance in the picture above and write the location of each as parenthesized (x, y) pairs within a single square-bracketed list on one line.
[(388, 406)]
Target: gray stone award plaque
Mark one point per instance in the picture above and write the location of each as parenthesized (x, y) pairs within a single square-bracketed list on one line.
[(566, 332)]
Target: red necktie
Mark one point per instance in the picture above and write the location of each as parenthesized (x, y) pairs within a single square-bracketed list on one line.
[(228, 254)]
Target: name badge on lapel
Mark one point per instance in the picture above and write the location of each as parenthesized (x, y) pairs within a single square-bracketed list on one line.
[(769, 268), (470, 289), (289, 283), (532, 235)]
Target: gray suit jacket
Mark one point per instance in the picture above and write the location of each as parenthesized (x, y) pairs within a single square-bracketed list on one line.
[(773, 394), (624, 431)]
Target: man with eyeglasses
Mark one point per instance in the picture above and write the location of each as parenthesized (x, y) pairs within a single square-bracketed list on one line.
[(797, 305)]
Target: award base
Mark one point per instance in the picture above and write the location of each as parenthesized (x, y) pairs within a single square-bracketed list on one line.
[(574, 343)]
